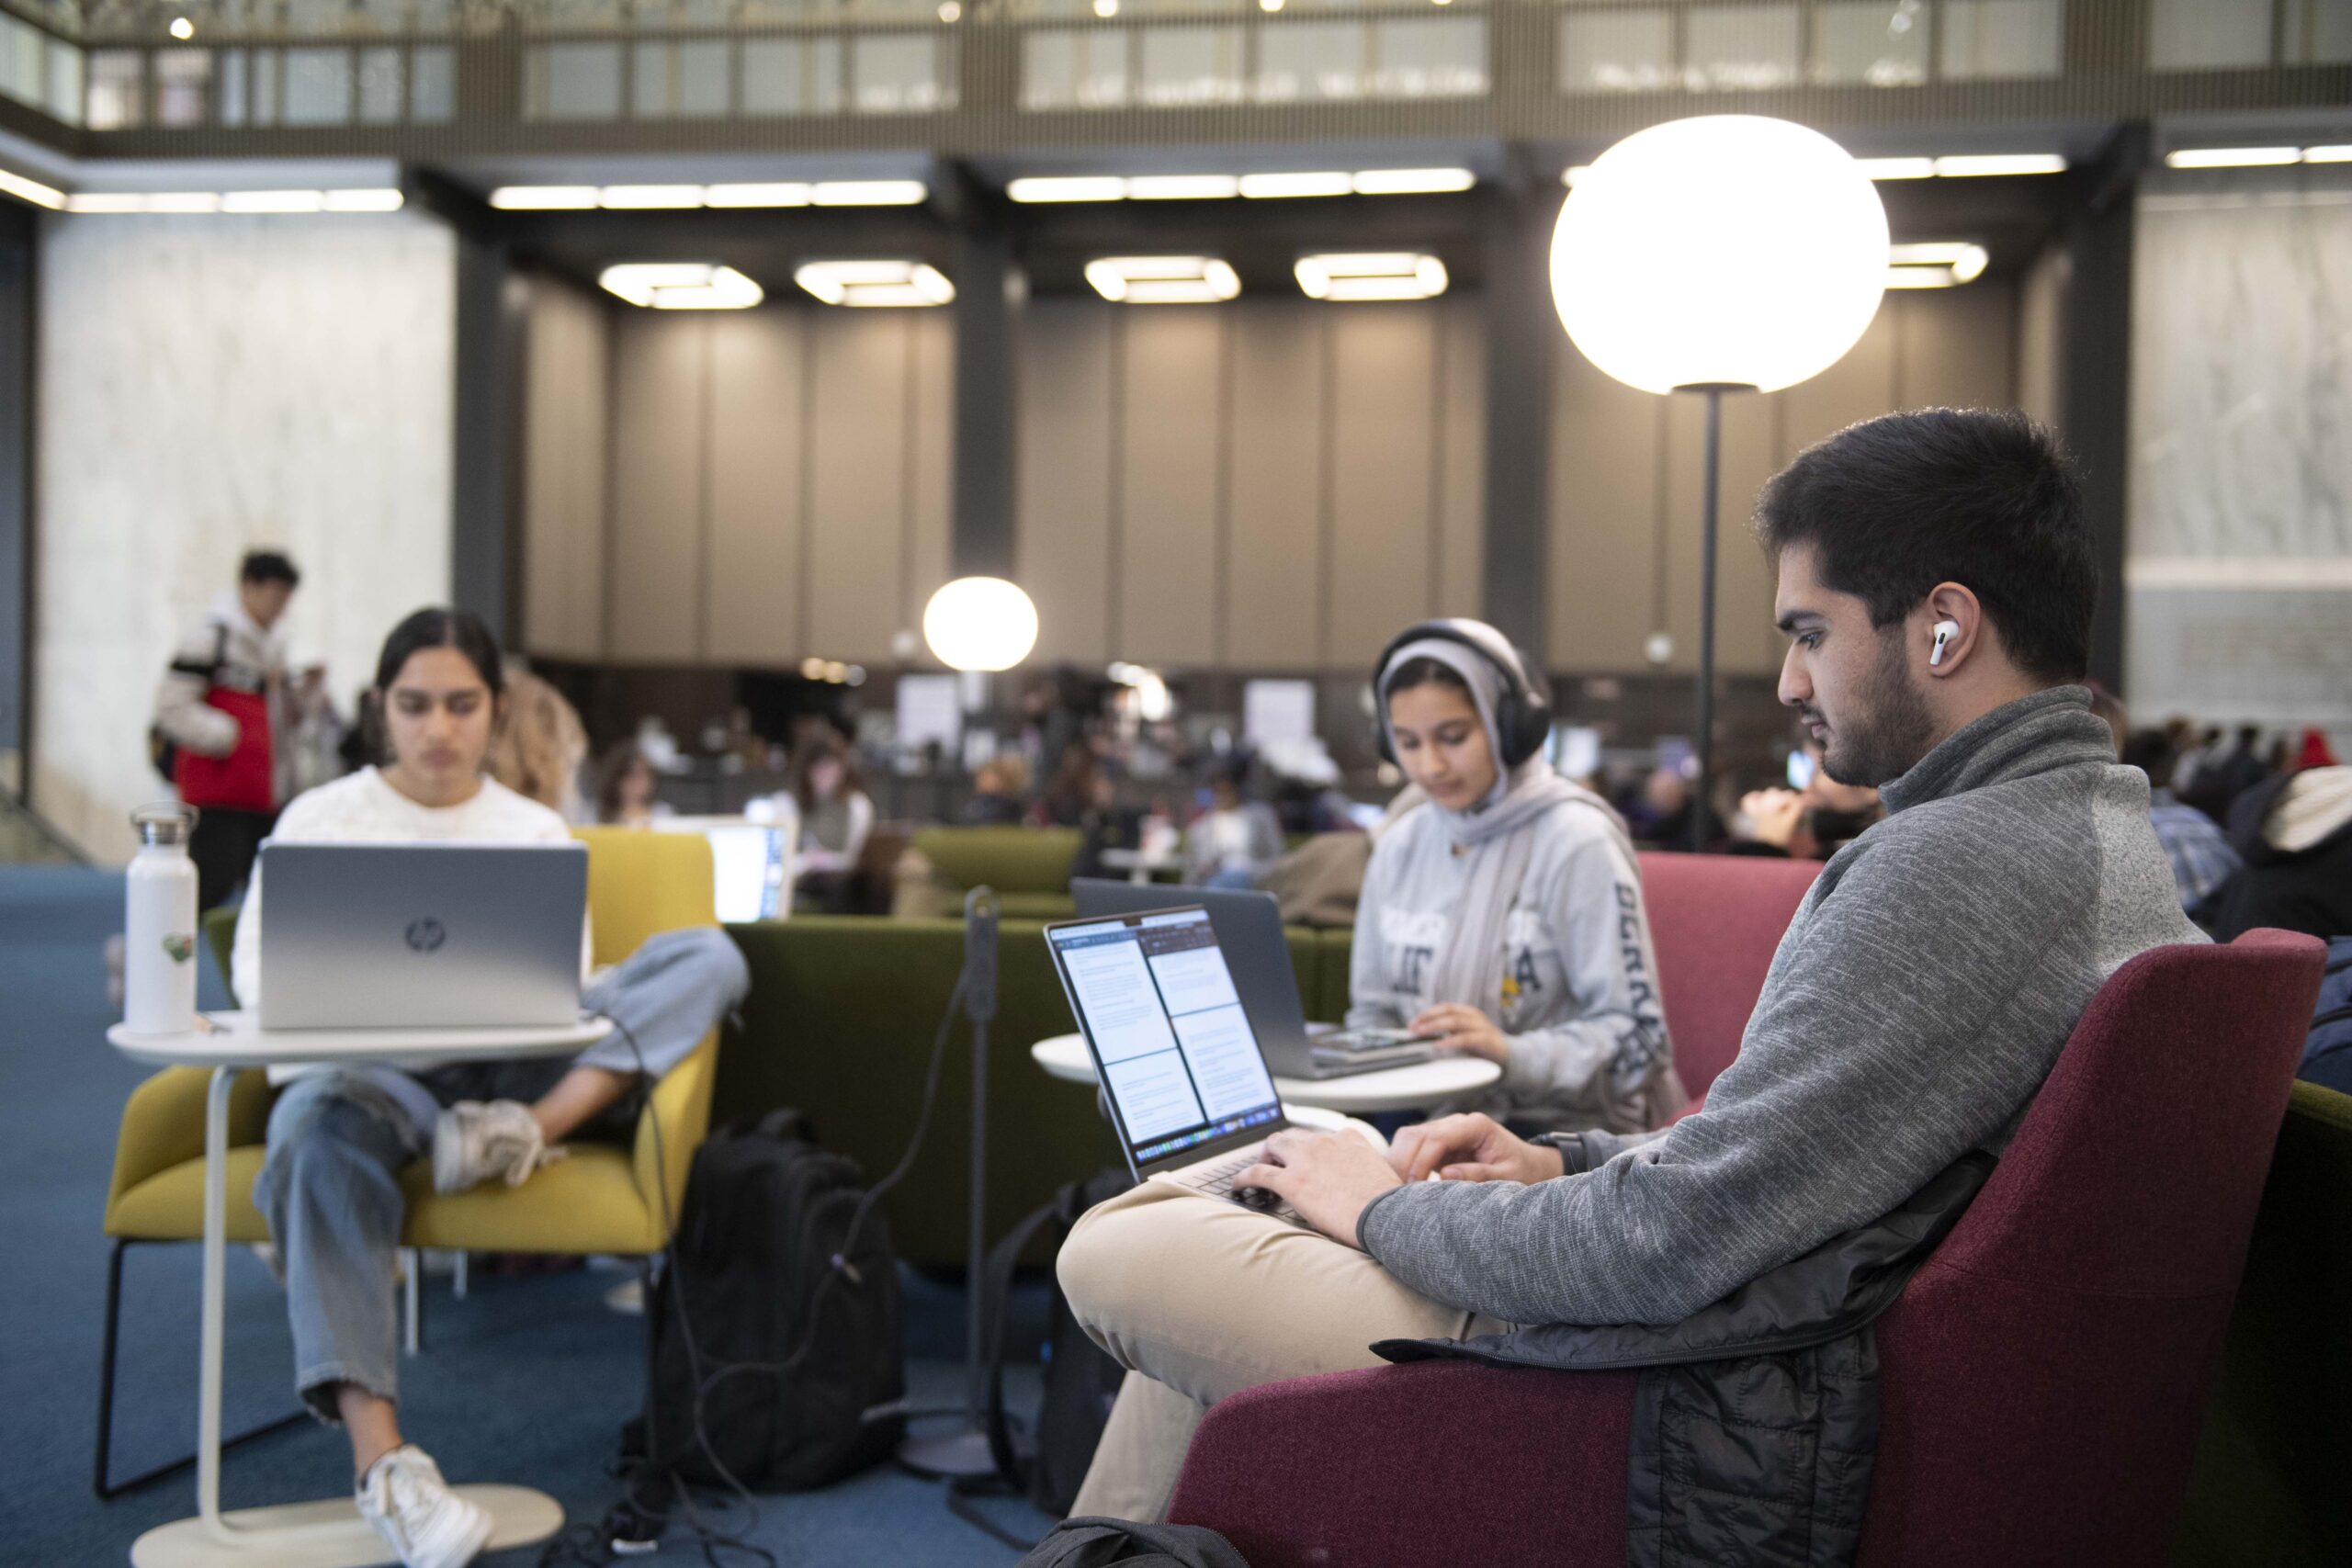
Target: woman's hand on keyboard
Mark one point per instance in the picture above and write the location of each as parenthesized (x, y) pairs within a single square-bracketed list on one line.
[(1328, 1178)]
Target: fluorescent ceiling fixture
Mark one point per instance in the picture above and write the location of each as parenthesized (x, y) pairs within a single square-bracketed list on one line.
[(1163, 280), (2231, 157), (385, 199), (104, 201), (1067, 187), (33, 191), (1371, 275), (1978, 165), (1897, 168), (1262, 188), (184, 201), (2338, 154), (1965, 261), (274, 201), (869, 193), (1182, 187), (681, 286), (1921, 277), (874, 284), (788, 194), (1412, 182), (627, 199), (543, 199)]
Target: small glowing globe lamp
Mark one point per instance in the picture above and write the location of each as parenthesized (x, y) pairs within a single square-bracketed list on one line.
[(1727, 251), (1721, 253), (980, 622)]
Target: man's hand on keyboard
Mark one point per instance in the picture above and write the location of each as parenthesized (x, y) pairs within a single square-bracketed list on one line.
[(1470, 1148), (1327, 1177)]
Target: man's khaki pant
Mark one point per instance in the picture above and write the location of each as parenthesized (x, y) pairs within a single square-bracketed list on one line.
[(1199, 1298)]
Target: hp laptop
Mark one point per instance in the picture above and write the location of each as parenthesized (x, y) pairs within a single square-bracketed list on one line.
[(421, 936), (1250, 929), (1181, 1069)]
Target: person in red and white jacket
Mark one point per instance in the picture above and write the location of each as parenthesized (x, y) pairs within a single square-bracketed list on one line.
[(222, 707)]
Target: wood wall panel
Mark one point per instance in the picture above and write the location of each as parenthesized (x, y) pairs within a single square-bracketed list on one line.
[(1062, 530), (1167, 547), (754, 603), (1384, 367), (860, 464), (566, 377), (660, 374), (1275, 522), (1957, 348), (931, 497), (1461, 435), (1607, 450)]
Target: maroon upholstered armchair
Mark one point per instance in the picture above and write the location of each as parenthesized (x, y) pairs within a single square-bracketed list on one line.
[(2044, 1375), (1716, 920)]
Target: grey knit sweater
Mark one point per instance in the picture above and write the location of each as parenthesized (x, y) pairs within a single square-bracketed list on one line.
[(1917, 1001)]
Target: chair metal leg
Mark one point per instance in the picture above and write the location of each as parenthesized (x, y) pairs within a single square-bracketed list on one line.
[(458, 1276), (412, 1300), (103, 1483)]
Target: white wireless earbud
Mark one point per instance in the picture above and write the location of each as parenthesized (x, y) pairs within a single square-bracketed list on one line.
[(1945, 632)]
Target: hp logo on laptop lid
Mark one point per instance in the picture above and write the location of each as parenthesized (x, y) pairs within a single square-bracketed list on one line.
[(427, 935)]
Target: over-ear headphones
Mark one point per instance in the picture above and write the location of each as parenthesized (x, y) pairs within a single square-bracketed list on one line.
[(1945, 632), (1523, 711)]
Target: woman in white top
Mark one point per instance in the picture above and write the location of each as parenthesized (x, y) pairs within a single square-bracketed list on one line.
[(338, 1138)]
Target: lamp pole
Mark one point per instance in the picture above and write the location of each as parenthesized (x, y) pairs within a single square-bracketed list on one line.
[(1704, 722)]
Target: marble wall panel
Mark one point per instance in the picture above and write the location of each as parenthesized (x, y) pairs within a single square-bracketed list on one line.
[(2239, 560), (207, 385)]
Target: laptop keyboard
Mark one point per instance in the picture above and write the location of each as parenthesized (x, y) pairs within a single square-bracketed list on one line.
[(1216, 1180)]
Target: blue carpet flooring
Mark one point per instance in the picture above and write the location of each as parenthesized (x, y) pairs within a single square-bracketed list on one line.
[(526, 1381)]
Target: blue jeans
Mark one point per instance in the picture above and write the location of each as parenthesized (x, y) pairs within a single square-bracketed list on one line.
[(330, 1184)]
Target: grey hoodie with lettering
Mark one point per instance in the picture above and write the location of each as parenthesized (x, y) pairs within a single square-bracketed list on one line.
[(1919, 999), (1579, 1002)]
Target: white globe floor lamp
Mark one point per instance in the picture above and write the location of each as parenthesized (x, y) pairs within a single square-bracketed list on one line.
[(974, 623), (1722, 254)]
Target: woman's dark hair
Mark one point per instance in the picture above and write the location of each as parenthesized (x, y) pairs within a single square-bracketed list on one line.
[(612, 769), (1423, 671), (826, 742), (1982, 497), (461, 629)]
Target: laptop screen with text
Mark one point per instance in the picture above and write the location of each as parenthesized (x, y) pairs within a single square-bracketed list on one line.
[(1179, 1059)]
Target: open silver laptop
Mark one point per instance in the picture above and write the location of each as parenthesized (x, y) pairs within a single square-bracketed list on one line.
[(1188, 1088), (1249, 927), (421, 936)]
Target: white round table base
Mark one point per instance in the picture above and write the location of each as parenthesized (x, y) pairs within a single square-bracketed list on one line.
[(331, 1534)]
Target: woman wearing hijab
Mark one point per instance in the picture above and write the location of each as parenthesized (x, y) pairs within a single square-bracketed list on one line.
[(1504, 915)]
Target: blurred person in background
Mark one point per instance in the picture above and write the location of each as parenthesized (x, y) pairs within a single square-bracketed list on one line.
[(221, 731), (1662, 816), (999, 789), (836, 813), (317, 730), (1812, 823), (2226, 775), (625, 784), (2201, 858), (2294, 834), (1236, 840), (539, 751)]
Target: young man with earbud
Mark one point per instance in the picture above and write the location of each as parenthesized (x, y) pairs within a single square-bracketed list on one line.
[(1936, 584)]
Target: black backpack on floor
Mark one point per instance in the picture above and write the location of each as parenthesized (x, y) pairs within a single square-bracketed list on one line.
[(1081, 1380), (797, 1338)]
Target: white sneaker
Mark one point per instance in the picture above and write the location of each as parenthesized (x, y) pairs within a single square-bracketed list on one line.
[(473, 1142), (424, 1523)]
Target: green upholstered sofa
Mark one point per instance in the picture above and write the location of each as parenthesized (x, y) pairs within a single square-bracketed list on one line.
[(840, 1024), (2272, 1482), (1029, 867)]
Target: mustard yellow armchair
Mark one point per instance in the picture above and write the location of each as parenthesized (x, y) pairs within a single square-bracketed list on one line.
[(602, 1199)]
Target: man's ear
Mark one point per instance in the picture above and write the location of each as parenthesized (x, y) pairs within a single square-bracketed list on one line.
[(1954, 608)]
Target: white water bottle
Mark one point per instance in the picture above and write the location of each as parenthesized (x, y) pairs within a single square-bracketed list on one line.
[(159, 925)]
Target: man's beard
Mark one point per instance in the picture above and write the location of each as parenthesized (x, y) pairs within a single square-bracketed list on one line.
[(1892, 730)]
